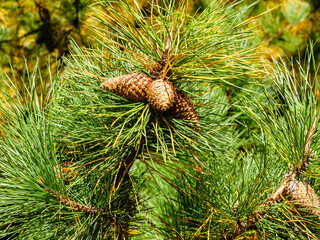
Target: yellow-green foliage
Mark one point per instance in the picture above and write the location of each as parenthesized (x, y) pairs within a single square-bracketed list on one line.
[(38, 28)]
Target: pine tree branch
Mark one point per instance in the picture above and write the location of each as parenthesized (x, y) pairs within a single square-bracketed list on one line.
[(122, 181), (288, 187), (122, 175), (297, 170)]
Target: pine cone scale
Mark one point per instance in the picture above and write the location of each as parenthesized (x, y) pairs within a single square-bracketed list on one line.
[(161, 95), (183, 108), (132, 86)]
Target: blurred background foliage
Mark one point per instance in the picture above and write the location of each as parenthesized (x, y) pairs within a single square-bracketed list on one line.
[(34, 29)]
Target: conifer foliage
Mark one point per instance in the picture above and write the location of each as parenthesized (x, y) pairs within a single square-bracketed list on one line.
[(160, 130)]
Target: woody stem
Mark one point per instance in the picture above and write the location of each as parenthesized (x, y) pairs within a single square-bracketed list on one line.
[(122, 182)]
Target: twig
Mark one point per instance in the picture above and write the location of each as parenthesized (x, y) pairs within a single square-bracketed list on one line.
[(122, 179), (77, 206), (161, 68)]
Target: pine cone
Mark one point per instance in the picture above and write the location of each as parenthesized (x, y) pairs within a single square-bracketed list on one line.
[(305, 196), (161, 95), (183, 108), (132, 86)]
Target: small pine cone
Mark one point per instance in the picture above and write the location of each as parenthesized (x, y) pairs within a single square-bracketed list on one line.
[(305, 196), (161, 95), (132, 86), (184, 109)]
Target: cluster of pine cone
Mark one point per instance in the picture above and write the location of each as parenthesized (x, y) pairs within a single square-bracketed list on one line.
[(160, 94)]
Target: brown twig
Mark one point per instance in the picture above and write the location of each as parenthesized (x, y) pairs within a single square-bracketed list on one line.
[(160, 70), (89, 210)]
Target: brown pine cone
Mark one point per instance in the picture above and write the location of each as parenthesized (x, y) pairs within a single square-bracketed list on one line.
[(305, 196), (161, 95), (132, 86), (183, 108)]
